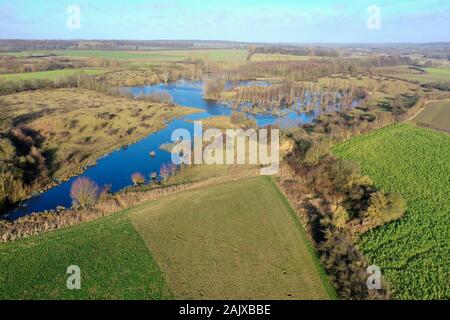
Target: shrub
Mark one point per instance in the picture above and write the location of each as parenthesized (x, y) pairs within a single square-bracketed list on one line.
[(340, 218), (159, 97), (384, 208), (316, 152), (240, 119), (12, 189), (84, 192), (105, 191), (137, 178), (213, 88), (167, 171)]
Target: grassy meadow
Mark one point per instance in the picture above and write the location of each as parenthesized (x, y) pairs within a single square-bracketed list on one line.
[(234, 240), (439, 72), (237, 240), (412, 252)]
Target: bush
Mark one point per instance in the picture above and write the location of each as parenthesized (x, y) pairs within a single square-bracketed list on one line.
[(240, 119), (12, 189), (84, 192), (340, 218), (137, 178), (384, 208), (167, 171), (158, 97), (213, 89)]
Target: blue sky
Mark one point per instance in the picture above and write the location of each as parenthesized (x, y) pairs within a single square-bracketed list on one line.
[(240, 20)]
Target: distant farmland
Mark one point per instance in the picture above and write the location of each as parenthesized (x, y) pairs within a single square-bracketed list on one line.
[(226, 55), (50, 75), (238, 240), (430, 75), (413, 252)]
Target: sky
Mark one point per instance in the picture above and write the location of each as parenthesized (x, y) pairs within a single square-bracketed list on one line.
[(295, 21)]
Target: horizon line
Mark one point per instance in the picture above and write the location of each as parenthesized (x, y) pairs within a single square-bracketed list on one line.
[(229, 41)]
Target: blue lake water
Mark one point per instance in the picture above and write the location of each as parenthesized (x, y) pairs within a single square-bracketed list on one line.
[(116, 168)]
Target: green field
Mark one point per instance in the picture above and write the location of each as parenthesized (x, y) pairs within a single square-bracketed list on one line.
[(236, 240), (436, 115), (225, 55), (279, 57), (114, 263), (50, 75), (444, 72), (80, 125), (431, 75), (413, 252)]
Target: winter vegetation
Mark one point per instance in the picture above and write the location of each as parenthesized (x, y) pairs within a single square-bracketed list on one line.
[(363, 182)]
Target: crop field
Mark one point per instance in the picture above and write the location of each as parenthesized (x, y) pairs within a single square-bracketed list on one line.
[(413, 252), (436, 115), (237, 240), (225, 55), (50, 75), (114, 263)]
